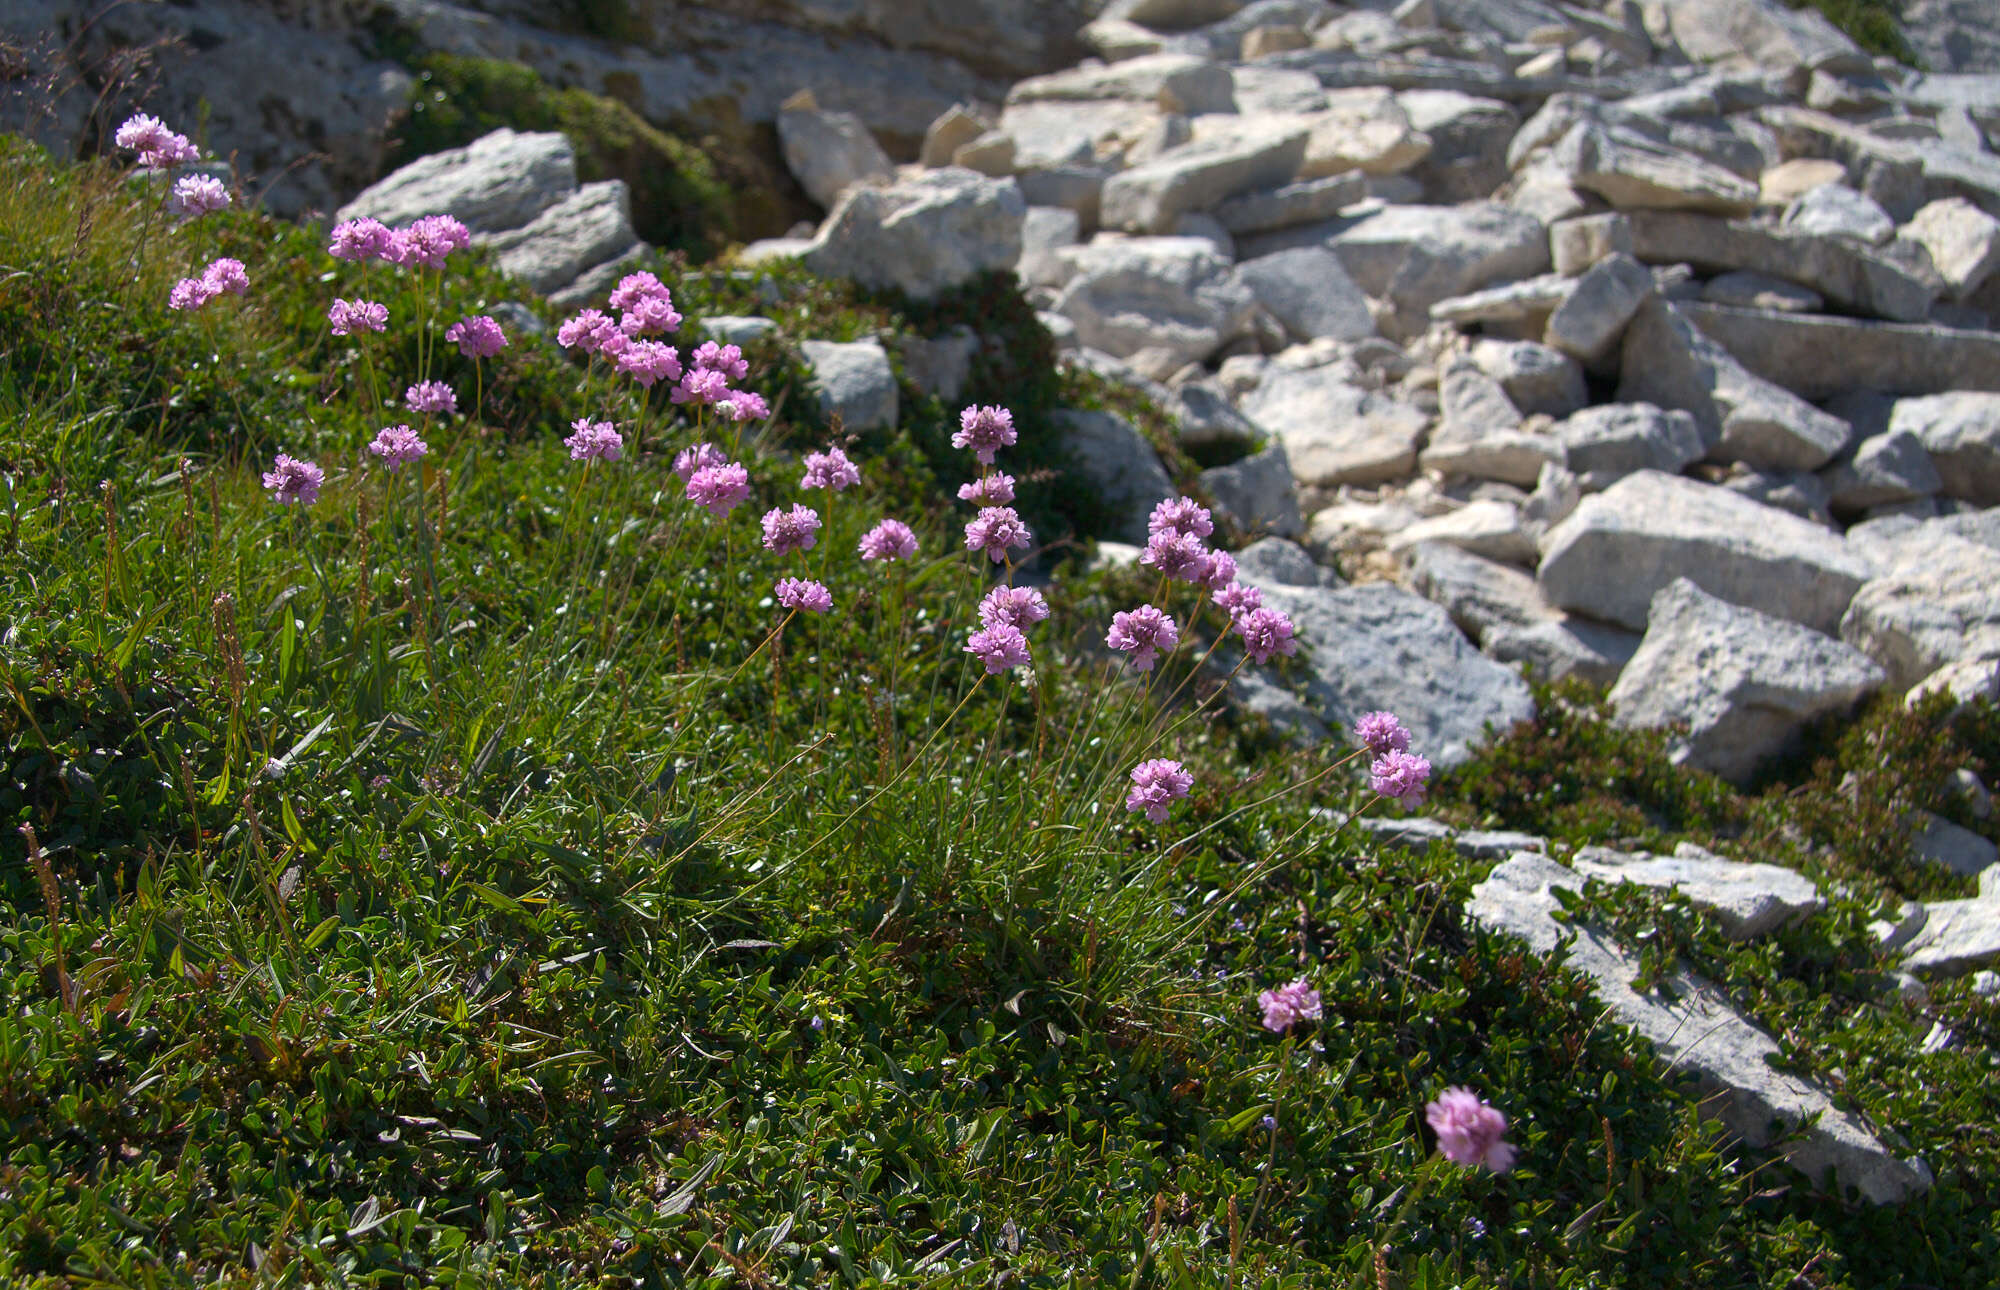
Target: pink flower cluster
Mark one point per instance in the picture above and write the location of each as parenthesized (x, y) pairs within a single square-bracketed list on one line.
[(791, 530), (196, 195), (431, 397), (346, 317), (157, 146), (996, 530), (985, 431), (1156, 785), (803, 593), (221, 275), (1145, 633), (398, 446), (292, 481), (477, 337), (1469, 1132), (1290, 1005), (425, 243), (594, 440), (830, 470), (889, 540)]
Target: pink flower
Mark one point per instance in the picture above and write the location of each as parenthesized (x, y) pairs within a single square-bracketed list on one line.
[(999, 646), (996, 489), (649, 361), (1180, 516), (1221, 570), (1382, 733), (224, 274), (398, 445), (1014, 606), (345, 317), (719, 489), (889, 540), (995, 530), (360, 239), (587, 331), (431, 396), (793, 530), (743, 405), (985, 431), (1145, 633), (1238, 599), (1156, 785), (157, 146), (477, 337), (726, 359), (1177, 555), (802, 593), (1400, 775), (427, 242), (292, 481), (1266, 634), (1288, 1005), (1469, 1131), (830, 470), (689, 460), (650, 316), (198, 195), (594, 439), (701, 386), (634, 288), (189, 293)]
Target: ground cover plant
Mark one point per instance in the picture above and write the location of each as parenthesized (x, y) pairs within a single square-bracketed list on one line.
[(452, 839)]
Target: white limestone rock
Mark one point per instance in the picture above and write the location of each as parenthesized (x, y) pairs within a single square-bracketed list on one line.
[(498, 182), (1175, 294), (1120, 466), (1334, 430), (1308, 291), (1750, 900), (1612, 440), (1257, 494), (829, 152), (1961, 432), (1933, 607), (1835, 210), (923, 234), (1962, 241), (854, 379)]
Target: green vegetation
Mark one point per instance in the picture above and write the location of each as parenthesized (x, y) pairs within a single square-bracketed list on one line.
[(1871, 24), (490, 899)]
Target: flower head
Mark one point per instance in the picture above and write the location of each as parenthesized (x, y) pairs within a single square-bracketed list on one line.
[(1382, 733), (224, 274), (996, 489), (1238, 599), (719, 488), (1400, 775), (398, 445), (802, 593), (157, 146), (197, 195), (427, 242), (999, 646), (742, 405), (689, 460), (594, 439), (189, 293), (995, 530), (793, 530), (1177, 555), (1266, 634), (635, 288), (346, 317), (1014, 606), (292, 481), (1221, 570), (726, 359), (365, 238), (1145, 633), (587, 331), (889, 540), (830, 470), (1156, 785), (1290, 1004), (649, 362), (477, 337), (1180, 516), (1469, 1131), (431, 396), (701, 386), (649, 317), (985, 431)]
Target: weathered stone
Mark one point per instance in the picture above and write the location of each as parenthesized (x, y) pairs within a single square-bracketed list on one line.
[(1957, 936), (1278, 561), (1622, 545), (1835, 210), (955, 127), (1075, 188), (1848, 274), (1117, 39), (1605, 443), (1949, 846), (1510, 456), (853, 379), (990, 154), (595, 283), (1742, 682), (1934, 606), (1491, 528), (1749, 289), (498, 182), (1261, 90), (1176, 82), (585, 229), (1334, 431), (1798, 491), (1309, 292), (1632, 171), (1885, 468), (1473, 403), (1694, 1029), (1749, 900), (1262, 42), (1120, 466), (1967, 681), (1742, 417), (1415, 256), (1149, 197), (1480, 594), (1045, 230), (1256, 494), (1171, 293), (1416, 833), (1816, 357), (1362, 129), (1075, 136), (829, 152), (737, 329), (923, 234), (1788, 181), (940, 365), (1963, 243), (1757, 35), (1526, 304), (1592, 652), (1577, 243), (1961, 432), (1305, 202), (1205, 417), (1468, 135), (1592, 318), (1537, 379)]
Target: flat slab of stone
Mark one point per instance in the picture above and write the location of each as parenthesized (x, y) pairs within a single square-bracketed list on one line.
[(1633, 171), (1176, 294), (1305, 202), (1417, 832), (1479, 594), (1415, 256), (1748, 899), (1257, 493), (1176, 82), (1603, 444), (1850, 275), (923, 234), (1621, 546), (1961, 434), (1308, 291), (1334, 431), (1957, 937), (1592, 652), (1487, 528), (1120, 465), (853, 379), (1253, 153), (497, 182), (585, 229), (1935, 605), (1952, 847), (829, 152), (1817, 356)]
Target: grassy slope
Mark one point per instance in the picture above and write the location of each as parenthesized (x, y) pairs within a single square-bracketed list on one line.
[(394, 958)]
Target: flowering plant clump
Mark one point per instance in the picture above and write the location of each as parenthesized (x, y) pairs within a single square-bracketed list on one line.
[(1400, 775), (196, 195), (692, 458), (791, 530), (719, 488), (594, 440), (996, 530), (830, 470), (1289, 1005), (157, 146), (293, 482), (889, 540), (1266, 635), (996, 489), (431, 396), (1469, 1132), (1014, 606), (346, 317), (985, 431), (999, 646), (477, 337), (1156, 785), (1145, 633), (398, 446), (726, 359), (802, 593), (1381, 733)]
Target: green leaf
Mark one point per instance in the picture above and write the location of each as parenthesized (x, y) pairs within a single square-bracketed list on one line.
[(317, 936)]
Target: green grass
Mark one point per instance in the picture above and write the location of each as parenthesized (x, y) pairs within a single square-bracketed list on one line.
[(544, 929), (1871, 24)]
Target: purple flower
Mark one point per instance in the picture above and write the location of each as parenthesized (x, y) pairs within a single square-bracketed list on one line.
[(719, 488), (430, 396), (1288, 1005), (999, 646), (1221, 570), (224, 274), (1180, 516), (1156, 785), (477, 337), (1469, 1131), (1382, 733), (649, 362), (1014, 606), (1177, 555), (889, 540), (743, 405), (996, 489), (360, 239), (398, 445), (701, 386), (802, 593), (985, 431), (345, 317), (793, 530), (994, 530), (157, 146), (1238, 599), (427, 242), (292, 481), (649, 317), (689, 460), (198, 195), (726, 359), (1266, 634), (189, 293), (587, 331), (1400, 775), (634, 288), (1145, 633), (830, 470), (594, 439)]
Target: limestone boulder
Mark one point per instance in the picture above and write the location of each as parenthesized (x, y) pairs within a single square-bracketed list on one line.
[(1257, 494), (1308, 201), (854, 380), (590, 227), (1933, 606), (498, 182), (1175, 82), (1336, 431), (1633, 172), (1962, 242), (1885, 469), (1835, 210), (1961, 434), (1310, 294), (1172, 294), (1120, 466), (923, 234), (1816, 356), (1851, 275), (1416, 256), (1591, 319), (829, 152), (1537, 378), (1252, 153), (1604, 444), (1750, 900)]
